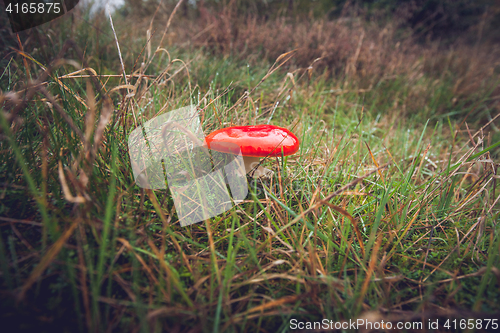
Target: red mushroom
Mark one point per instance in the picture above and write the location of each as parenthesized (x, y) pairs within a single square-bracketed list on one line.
[(254, 142)]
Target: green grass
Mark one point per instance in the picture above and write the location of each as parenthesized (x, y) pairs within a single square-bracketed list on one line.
[(82, 247)]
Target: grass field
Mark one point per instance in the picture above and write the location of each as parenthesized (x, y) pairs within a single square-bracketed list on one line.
[(389, 211)]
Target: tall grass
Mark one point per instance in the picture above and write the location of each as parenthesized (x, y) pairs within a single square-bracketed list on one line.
[(388, 212)]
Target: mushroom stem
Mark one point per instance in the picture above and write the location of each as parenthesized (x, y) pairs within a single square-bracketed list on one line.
[(251, 168), (250, 162)]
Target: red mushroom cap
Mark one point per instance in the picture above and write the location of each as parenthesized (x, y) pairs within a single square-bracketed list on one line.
[(255, 141)]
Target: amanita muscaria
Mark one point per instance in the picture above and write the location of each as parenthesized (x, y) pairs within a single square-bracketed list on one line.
[(254, 142)]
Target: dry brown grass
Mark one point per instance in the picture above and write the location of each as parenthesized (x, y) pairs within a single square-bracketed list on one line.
[(351, 51)]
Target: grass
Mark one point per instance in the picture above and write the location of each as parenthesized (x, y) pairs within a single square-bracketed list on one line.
[(389, 211)]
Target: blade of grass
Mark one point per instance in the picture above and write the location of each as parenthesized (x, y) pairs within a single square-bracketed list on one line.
[(107, 217), (47, 222), (47, 259)]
